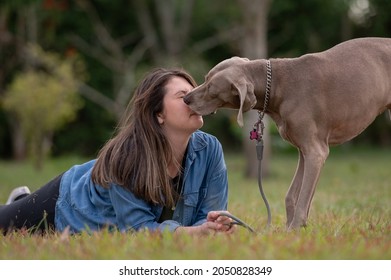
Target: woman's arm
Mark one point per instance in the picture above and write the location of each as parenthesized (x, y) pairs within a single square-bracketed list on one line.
[(214, 224), (133, 213)]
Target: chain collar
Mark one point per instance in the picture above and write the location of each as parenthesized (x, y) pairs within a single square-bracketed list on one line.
[(257, 132)]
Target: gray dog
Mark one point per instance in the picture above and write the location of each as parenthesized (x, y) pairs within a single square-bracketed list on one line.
[(316, 100)]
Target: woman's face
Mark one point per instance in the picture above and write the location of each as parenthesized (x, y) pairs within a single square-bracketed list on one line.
[(176, 116)]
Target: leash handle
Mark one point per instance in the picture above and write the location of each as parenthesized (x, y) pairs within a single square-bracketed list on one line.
[(237, 221)]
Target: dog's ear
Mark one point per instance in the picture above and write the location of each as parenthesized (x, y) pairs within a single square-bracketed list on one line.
[(245, 91)]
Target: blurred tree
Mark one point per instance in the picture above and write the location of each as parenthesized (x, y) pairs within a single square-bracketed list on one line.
[(159, 36), (373, 17), (120, 40), (110, 52), (299, 27), (253, 45), (42, 100), (18, 27)]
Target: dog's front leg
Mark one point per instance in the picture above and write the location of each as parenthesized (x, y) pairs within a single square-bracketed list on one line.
[(314, 158), (294, 190)]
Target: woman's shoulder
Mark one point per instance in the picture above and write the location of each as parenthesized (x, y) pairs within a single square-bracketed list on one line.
[(79, 170), (76, 177), (84, 166), (201, 139), (202, 135)]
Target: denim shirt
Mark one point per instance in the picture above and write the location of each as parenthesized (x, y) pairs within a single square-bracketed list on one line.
[(83, 205)]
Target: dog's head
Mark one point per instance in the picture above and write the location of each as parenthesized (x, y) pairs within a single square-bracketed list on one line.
[(225, 86)]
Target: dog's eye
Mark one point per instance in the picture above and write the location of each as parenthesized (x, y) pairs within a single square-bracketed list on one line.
[(208, 89)]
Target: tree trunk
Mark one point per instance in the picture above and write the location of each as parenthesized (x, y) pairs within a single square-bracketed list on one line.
[(254, 46), (19, 150)]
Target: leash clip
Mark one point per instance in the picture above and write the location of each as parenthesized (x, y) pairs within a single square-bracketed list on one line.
[(257, 132)]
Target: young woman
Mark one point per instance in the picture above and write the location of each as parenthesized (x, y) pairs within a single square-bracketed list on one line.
[(158, 172)]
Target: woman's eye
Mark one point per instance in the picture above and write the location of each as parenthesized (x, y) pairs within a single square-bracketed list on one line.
[(182, 94)]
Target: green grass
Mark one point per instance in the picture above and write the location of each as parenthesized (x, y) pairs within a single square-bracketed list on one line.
[(350, 216)]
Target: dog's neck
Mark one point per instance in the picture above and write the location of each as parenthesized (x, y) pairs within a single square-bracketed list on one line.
[(258, 73)]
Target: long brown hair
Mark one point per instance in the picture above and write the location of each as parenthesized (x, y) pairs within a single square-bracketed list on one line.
[(137, 156)]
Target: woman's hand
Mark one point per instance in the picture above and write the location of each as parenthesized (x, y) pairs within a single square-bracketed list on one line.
[(214, 224)]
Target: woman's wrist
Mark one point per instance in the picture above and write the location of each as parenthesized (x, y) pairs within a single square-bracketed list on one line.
[(193, 230)]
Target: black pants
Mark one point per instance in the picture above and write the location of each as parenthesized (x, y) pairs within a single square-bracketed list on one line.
[(35, 211)]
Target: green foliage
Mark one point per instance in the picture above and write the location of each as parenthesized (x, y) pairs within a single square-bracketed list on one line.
[(43, 101), (299, 27), (17, 4), (376, 19)]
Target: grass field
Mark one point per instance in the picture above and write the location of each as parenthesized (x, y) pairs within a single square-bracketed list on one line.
[(350, 217)]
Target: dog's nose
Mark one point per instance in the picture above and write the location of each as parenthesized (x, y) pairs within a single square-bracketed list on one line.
[(186, 100)]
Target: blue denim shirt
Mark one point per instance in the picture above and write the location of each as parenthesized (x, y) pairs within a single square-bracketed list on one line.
[(83, 205)]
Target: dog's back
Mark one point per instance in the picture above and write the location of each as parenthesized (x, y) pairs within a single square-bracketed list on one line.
[(352, 80)]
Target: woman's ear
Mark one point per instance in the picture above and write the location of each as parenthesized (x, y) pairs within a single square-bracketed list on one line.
[(160, 118)]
